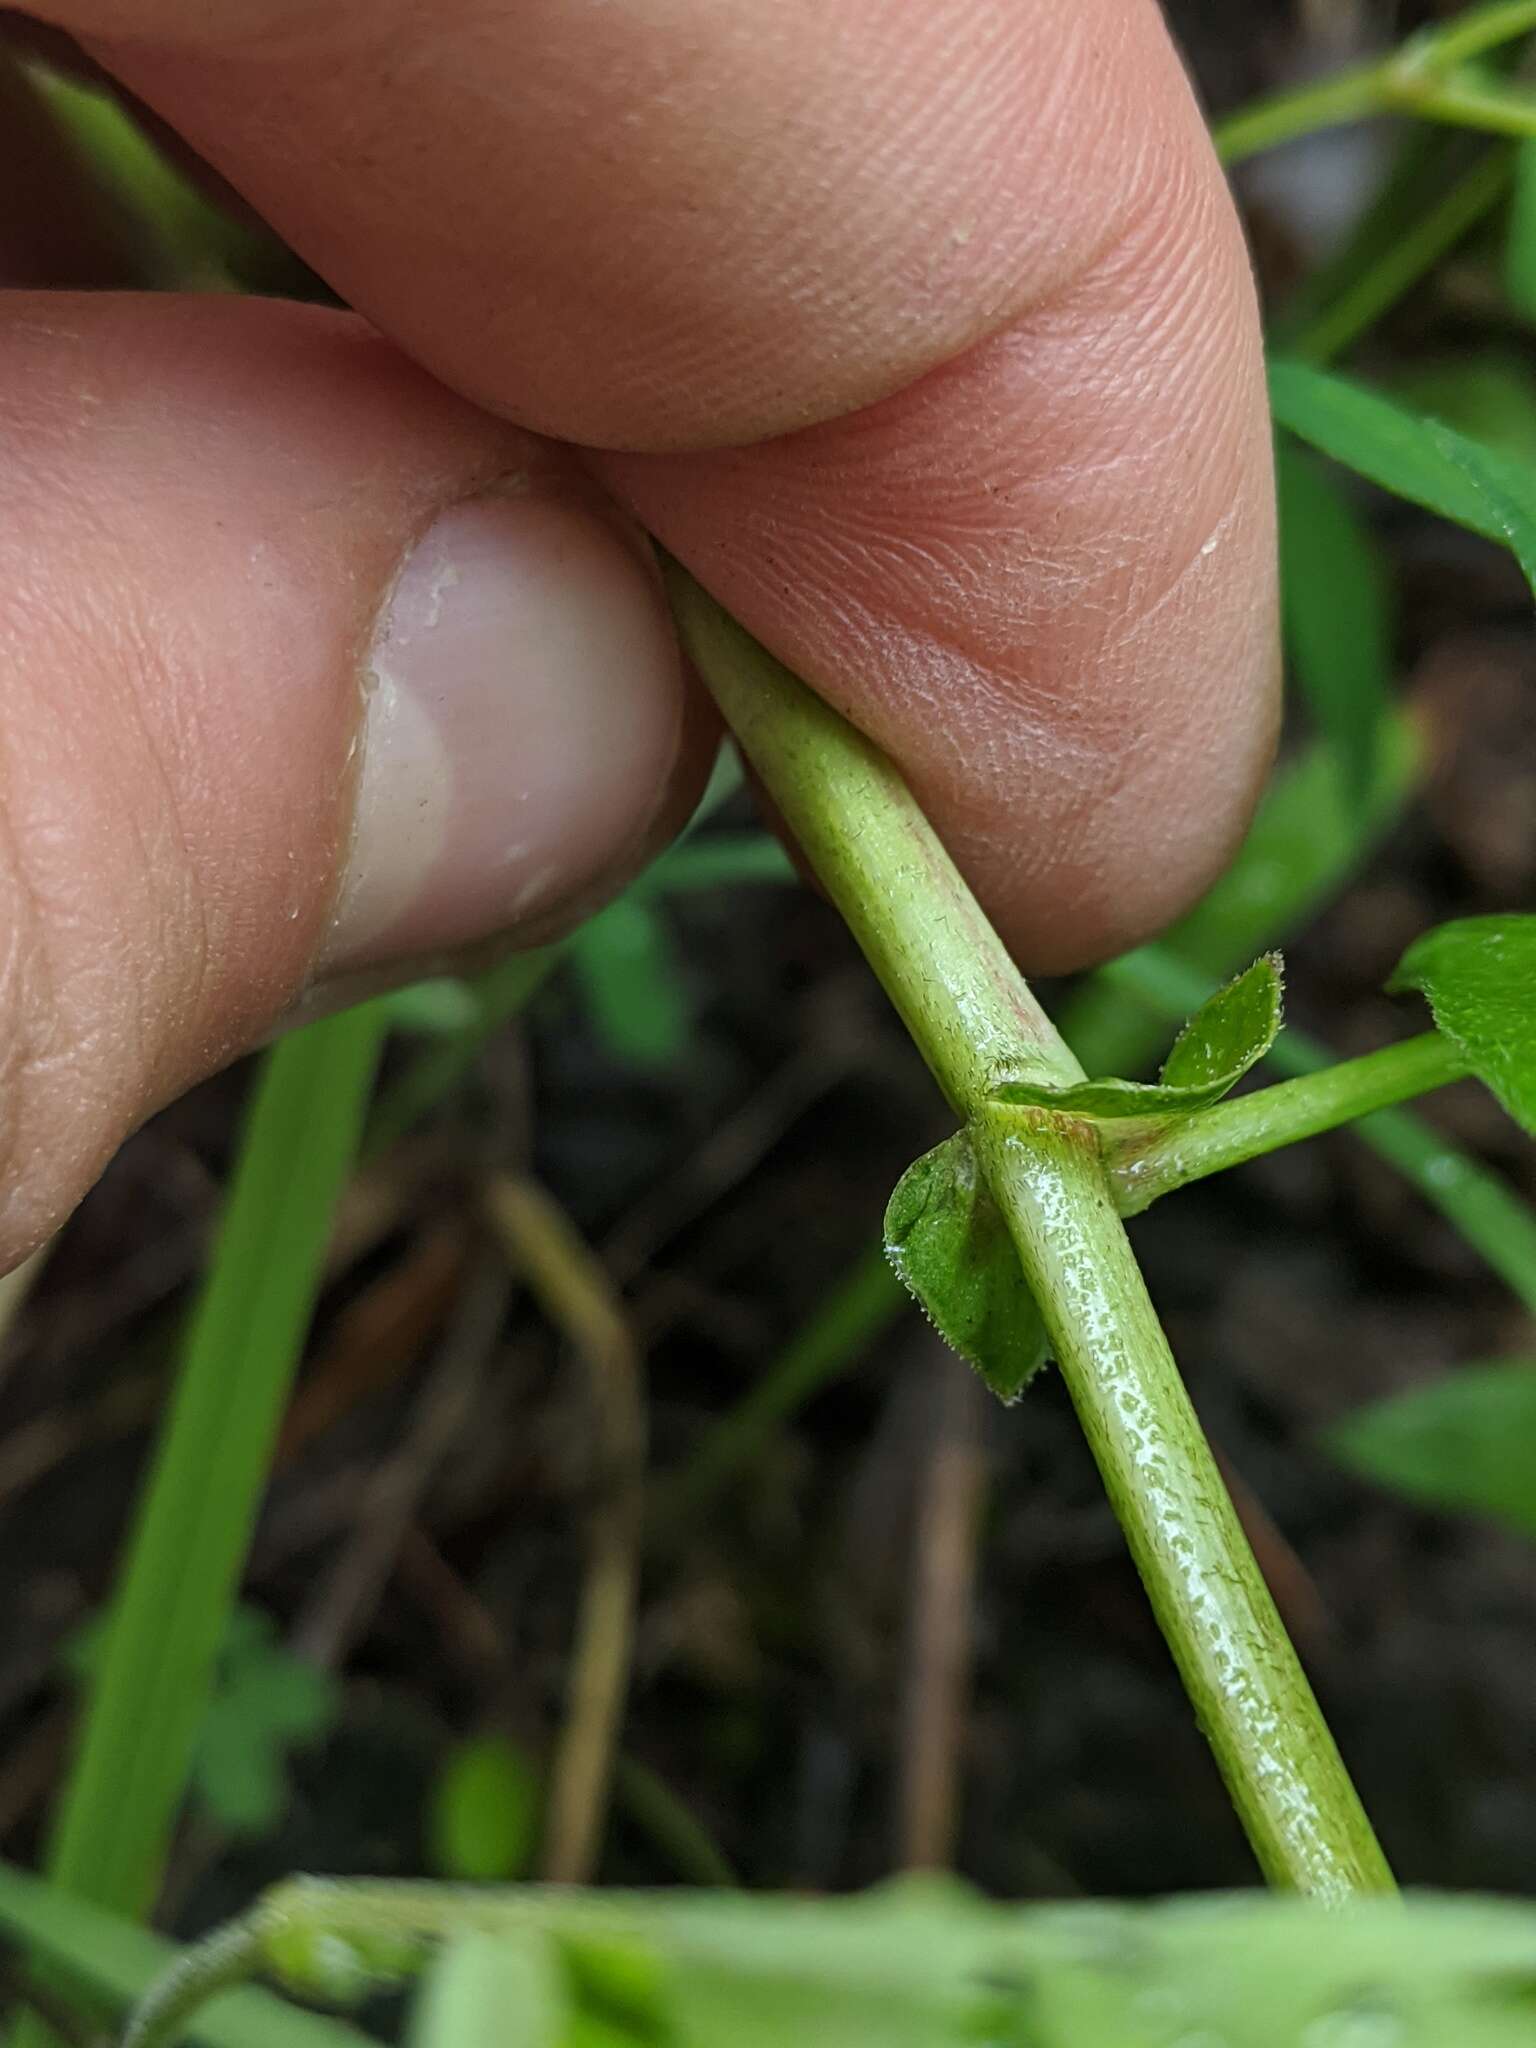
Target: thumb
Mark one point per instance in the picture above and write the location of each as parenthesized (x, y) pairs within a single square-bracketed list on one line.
[(309, 668)]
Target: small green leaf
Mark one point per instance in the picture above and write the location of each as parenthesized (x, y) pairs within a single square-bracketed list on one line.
[(266, 1702), (484, 1816), (947, 1240), (1413, 457), (1225, 1037), (1479, 975), (1468, 1441), (1336, 613)]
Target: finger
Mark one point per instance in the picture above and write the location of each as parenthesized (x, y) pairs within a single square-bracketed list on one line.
[(1042, 579), (308, 668), (970, 263), (646, 224)]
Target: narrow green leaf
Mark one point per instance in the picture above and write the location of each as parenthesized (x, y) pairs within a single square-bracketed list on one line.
[(1226, 1036), (1336, 613), (1479, 975), (1414, 457), (950, 1247), (632, 983), (114, 1963), (1510, 498), (1468, 1441), (188, 1547)]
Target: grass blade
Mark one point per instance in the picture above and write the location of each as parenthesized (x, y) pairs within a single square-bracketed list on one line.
[(1412, 456), (1337, 614), (194, 1523)]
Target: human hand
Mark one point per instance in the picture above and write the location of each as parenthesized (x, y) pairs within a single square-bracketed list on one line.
[(921, 330)]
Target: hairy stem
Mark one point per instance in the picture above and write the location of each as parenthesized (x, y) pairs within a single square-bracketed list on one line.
[(960, 996), (1282, 1770), (227, 1957), (971, 1014), (1245, 1126)]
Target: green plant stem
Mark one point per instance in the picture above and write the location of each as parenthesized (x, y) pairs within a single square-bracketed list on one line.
[(1409, 257), (1281, 117), (1245, 1126), (1474, 31), (970, 1012), (1286, 1780), (959, 994), (1421, 79), (1469, 103), (229, 1956), (1500, 1228)]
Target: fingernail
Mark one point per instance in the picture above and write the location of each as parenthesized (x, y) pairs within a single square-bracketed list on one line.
[(522, 709)]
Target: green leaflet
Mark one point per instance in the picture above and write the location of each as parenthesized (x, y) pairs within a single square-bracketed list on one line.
[(1224, 1038), (1413, 457), (1479, 975), (950, 1247), (1468, 1441)]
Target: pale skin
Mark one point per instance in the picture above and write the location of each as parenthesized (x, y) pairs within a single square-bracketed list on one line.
[(922, 330)]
